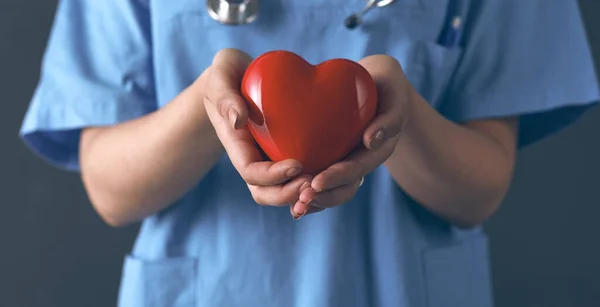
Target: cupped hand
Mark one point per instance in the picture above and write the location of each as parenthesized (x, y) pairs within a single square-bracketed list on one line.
[(272, 184), (339, 183)]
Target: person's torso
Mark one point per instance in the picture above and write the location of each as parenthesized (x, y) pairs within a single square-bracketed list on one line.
[(216, 247)]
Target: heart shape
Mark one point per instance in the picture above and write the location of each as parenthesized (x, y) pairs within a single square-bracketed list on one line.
[(315, 114)]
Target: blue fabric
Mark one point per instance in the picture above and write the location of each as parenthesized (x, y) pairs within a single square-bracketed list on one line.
[(113, 60), (532, 61), (97, 71)]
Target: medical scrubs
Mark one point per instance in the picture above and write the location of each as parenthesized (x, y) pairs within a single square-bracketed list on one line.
[(111, 61)]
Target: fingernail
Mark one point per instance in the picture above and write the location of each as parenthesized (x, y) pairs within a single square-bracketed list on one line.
[(304, 186), (298, 216), (312, 202), (292, 212), (376, 140), (318, 190), (293, 172), (233, 118)]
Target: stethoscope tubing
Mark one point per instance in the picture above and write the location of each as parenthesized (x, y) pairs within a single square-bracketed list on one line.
[(239, 12)]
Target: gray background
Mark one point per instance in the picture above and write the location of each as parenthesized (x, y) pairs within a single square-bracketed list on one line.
[(55, 251)]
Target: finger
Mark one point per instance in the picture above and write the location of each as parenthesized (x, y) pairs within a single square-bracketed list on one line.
[(247, 159), (359, 163), (327, 199), (304, 209), (391, 87), (223, 86), (228, 113), (268, 173), (279, 195)]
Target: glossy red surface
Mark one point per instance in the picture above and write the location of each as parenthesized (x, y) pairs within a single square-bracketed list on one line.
[(315, 114)]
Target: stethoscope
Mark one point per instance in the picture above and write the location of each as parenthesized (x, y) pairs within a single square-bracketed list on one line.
[(238, 12)]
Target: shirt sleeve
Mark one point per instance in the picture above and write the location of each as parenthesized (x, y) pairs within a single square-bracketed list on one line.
[(529, 59), (96, 71)]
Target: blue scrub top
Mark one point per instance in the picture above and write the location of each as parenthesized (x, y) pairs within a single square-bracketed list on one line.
[(113, 60)]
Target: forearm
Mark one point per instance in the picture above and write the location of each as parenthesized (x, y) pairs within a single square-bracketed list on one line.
[(459, 172), (134, 169)]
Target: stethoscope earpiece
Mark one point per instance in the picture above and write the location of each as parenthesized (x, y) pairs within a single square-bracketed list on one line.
[(237, 12)]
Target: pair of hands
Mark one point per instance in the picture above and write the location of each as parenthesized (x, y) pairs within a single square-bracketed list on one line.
[(282, 183)]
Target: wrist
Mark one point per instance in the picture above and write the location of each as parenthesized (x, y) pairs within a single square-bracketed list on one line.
[(419, 135), (188, 115), (411, 112)]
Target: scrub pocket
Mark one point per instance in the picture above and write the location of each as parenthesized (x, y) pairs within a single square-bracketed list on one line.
[(458, 275), (158, 283), (429, 67)]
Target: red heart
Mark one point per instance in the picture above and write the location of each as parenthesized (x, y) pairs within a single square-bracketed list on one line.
[(315, 114)]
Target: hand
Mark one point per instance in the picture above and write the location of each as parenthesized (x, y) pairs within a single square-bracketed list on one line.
[(339, 183), (275, 184)]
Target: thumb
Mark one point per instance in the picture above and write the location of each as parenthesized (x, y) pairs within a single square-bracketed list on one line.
[(223, 85), (392, 94)]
